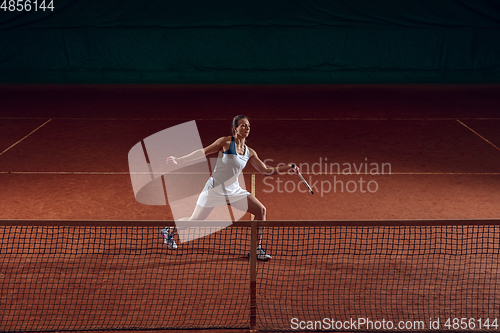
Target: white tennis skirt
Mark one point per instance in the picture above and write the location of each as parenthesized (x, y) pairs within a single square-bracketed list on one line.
[(214, 194)]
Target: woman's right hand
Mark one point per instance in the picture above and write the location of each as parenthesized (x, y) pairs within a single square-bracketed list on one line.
[(294, 168), (172, 160)]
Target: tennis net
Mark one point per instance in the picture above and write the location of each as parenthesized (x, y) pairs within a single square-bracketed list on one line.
[(111, 275)]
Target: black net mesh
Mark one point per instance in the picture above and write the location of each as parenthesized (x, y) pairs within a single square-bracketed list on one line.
[(98, 278), (399, 273), (103, 278)]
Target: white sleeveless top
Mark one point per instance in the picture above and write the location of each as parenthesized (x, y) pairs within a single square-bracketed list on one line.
[(223, 186)]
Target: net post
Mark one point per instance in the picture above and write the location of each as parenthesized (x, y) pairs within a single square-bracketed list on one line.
[(253, 275)]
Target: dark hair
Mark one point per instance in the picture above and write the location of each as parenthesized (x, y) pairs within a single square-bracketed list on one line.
[(236, 121)]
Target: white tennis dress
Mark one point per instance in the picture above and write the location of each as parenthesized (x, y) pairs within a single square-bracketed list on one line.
[(223, 186)]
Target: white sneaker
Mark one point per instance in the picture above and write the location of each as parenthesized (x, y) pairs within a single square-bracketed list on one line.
[(168, 238), (262, 255)]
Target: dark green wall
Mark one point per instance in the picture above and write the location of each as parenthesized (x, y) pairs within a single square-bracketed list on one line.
[(306, 41)]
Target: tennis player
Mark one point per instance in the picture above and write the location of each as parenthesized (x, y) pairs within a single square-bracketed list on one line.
[(223, 187)]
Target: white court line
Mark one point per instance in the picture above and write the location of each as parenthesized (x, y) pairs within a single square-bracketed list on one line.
[(260, 119), (36, 129), (90, 173), (479, 135), (252, 217)]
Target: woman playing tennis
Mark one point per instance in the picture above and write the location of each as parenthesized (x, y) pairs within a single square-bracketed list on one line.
[(223, 187)]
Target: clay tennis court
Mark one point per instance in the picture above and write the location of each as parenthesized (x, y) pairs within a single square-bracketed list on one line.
[(418, 239)]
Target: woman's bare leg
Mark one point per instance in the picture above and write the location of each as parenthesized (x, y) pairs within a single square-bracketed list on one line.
[(255, 207), (199, 214)]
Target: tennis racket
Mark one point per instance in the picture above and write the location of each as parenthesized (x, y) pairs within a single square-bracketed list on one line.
[(294, 167)]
